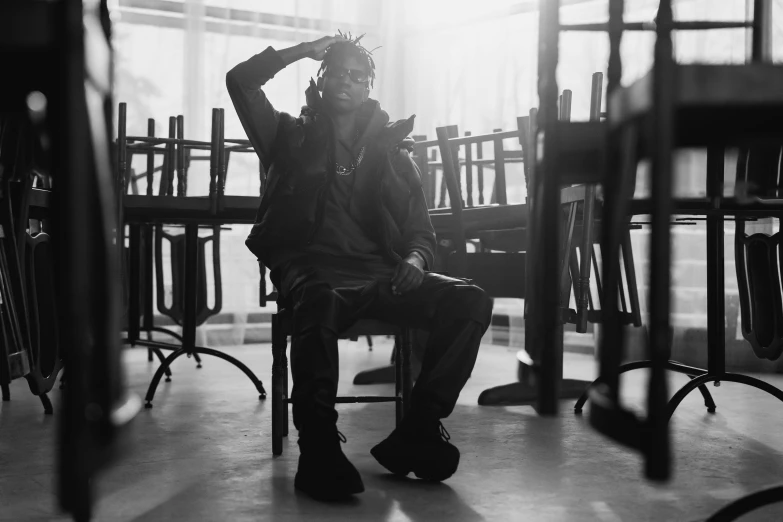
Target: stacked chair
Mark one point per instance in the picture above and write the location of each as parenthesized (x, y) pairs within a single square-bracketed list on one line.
[(29, 318), (710, 106), (189, 264)]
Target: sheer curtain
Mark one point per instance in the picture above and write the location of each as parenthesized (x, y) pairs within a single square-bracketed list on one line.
[(172, 58)]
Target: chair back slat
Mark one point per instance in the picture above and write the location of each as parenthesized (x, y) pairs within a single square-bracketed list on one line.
[(499, 192), (150, 157), (469, 171), (480, 174)]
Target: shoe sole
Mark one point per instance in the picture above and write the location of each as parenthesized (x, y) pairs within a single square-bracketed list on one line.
[(396, 466), (323, 496), (402, 468)]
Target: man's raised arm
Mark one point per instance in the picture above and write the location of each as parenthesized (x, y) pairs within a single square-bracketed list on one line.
[(259, 118)]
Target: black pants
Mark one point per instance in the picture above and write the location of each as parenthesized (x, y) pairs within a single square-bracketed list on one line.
[(329, 294)]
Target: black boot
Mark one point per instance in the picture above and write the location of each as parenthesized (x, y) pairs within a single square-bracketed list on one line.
[(325, 473), (420, 446)]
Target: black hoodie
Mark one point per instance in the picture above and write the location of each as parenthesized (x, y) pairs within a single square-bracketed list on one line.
[(388, 200)]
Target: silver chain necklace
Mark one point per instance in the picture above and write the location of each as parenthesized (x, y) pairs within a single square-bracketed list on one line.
[(350, 169), (347, 171)]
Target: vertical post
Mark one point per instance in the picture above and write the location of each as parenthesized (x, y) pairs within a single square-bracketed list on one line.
[(181, 183), (150, 156), (499, 196), (213, 162), (221, 156), (588, 214), (469, 171), (122, 148), (663, 128), (442, 192), (480, 172), (615, 68), (761, 48), (565, 105), (716, 303), (122, 167), (546, 331), (170, 153), (191, 287), (398, 377), (134, 283), (148, 280), (611, 334), (407, 384)]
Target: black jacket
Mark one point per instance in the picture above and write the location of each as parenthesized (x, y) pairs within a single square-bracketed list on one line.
[(388, 197)]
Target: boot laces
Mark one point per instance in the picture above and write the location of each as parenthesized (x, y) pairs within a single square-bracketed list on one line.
[(443, 433), (341, 437)]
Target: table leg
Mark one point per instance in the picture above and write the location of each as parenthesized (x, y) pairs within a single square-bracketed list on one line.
[(191, 285)]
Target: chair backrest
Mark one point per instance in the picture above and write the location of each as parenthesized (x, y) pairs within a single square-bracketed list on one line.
[(175, 150), (426, 154), (501, 274), (29, 326), (469, 155), (757, 256)]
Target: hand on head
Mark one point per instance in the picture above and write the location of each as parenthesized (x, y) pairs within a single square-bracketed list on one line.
[(317, 48)]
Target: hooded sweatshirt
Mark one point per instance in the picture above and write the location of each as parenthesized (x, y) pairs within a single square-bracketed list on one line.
[(382, 210)]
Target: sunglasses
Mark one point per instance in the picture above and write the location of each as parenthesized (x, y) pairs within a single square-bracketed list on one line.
[(356, 75)]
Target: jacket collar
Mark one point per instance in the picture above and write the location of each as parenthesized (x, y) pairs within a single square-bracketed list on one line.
[(373, 121)]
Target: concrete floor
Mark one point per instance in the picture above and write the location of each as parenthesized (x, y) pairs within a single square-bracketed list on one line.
[(203, 453)]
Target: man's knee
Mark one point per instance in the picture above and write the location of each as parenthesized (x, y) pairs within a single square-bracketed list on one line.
[(466, 301), (316, 309)]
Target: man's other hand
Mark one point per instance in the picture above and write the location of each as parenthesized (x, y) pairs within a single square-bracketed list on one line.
[(316, 49), (408, 276)]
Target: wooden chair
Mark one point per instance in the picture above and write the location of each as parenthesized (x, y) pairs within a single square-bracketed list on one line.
[(29, 325), (282, 330), (499, 227)]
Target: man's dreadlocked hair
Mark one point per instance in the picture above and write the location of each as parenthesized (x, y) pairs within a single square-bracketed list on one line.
[(352, 45)]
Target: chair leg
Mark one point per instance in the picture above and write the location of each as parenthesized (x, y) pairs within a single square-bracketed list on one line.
[(407, 377), (278, 381), (398, 378), (6, 392), (47, 404), (565, 255), (284, 407), (583, 294)]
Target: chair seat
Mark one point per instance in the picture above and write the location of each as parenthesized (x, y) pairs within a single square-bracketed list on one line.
[(730, 104), (500, 274), (511, 240), (730, 206), (483, 218), (230, 209), (360, 328)]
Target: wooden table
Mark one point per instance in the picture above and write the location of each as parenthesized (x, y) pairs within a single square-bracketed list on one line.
[(191, 212)]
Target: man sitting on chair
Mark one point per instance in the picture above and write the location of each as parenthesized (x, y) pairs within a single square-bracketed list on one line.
[(343, 226)]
